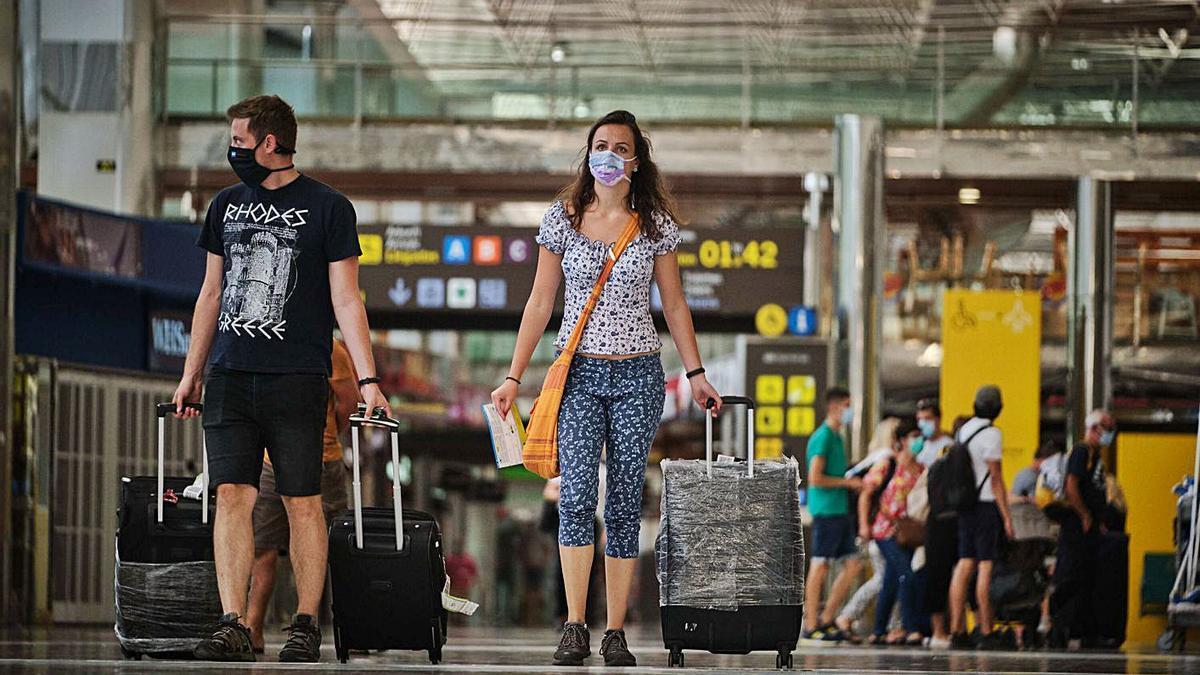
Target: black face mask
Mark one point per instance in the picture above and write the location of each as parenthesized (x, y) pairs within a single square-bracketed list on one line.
[(247, 168)]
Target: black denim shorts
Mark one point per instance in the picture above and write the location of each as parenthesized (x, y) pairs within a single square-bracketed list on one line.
[(245, 412)]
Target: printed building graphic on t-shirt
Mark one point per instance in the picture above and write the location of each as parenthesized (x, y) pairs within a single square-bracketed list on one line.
[(260, 245)]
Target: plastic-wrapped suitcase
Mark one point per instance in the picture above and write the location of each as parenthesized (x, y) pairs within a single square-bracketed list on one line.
[(164, 579), (730, 554), (386, 567)]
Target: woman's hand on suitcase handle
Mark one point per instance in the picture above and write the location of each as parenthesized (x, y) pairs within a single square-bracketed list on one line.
[(503, 397), (705, 395)]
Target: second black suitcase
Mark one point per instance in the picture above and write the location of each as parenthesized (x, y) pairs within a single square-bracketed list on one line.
[(385, 595)]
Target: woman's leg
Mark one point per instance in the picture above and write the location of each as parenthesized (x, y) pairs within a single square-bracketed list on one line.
[(582, 420), (857, 606), (901, 558), (636, 390), (891, 583)]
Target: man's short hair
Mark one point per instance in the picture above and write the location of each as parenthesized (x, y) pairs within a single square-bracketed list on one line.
[(1095, 418), (930, 405), (834, 394), (268, 115), (1050, 448)]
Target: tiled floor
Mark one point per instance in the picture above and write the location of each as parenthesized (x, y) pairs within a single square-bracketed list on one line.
[(482, 650)]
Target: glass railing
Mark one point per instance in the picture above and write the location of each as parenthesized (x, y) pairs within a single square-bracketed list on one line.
[(454, 65)]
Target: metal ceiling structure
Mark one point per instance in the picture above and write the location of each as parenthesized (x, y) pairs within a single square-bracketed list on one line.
[(920, 62)]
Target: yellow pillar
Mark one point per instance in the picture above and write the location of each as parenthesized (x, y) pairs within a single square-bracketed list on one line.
[(1148, 465)]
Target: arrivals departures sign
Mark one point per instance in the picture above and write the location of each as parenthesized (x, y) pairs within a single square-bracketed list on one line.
[(787, 378), (729, 271)]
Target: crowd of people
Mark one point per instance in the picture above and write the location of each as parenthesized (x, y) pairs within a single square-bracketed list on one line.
[(931, 511)]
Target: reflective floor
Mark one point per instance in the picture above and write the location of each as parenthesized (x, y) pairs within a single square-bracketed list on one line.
[(481, 650)]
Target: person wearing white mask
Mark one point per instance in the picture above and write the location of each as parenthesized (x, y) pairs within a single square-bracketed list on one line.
[(1079, 536)]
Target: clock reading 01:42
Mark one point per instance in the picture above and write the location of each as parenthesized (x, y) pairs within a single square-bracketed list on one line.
[(725, 254)]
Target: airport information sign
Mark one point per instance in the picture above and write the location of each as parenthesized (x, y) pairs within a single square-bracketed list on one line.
[(725, 271)]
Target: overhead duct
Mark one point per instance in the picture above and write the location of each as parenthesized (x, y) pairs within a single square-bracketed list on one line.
[(1017, 45)]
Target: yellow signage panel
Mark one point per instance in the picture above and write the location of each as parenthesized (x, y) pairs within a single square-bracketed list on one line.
[(994, 337)]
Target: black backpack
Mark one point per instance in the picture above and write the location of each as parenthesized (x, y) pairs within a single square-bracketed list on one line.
[(952, 486)]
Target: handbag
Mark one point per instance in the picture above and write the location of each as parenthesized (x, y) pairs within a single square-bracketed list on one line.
[(540, 453), (910, 533)]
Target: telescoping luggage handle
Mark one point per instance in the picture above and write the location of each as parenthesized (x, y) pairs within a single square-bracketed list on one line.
[(378, 419), (708, 430), (162, 410)]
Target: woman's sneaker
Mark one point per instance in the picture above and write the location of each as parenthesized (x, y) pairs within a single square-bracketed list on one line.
[(304, 641), (230, 642), (574, 646), (615, 649)]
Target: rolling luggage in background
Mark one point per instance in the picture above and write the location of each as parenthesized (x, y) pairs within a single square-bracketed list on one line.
[(387, 568), (165, 579), (730, 554)]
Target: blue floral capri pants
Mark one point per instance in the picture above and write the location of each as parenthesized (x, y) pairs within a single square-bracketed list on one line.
[(615, 404)]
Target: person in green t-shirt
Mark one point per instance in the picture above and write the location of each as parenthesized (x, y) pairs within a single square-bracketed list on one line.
[(833, 528)]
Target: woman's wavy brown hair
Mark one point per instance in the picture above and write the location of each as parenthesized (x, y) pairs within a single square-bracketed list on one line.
[(646, 186)]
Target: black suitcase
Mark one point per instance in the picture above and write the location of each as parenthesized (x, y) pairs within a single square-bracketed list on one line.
[(386, 596), (741, 631), (164, 545)]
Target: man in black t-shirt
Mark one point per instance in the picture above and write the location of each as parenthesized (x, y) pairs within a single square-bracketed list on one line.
[(282, 265), (1079, 537)]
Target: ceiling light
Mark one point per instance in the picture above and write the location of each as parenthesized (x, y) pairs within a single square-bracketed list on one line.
[(558, 52), (968, 195), (1079, 63)]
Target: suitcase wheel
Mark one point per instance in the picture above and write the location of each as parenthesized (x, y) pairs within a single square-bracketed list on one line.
[(131, 655), (676, 659), (783, 660), (435, 656)]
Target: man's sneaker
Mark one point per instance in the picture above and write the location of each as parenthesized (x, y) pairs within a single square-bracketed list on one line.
[(230, 642), (827, 633), (961, 641), (574, 646), (304, 641), (615, 649), (993, 641)]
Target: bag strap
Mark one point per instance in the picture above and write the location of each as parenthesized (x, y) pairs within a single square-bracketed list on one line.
[(967, 446), (627, 236)]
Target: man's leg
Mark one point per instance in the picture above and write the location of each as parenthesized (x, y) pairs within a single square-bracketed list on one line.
[(851, 568), (262, 584), (958, 595), (983, 598), (234, 442), (233, 544), (308, 551), (813, 586), (270, 535)]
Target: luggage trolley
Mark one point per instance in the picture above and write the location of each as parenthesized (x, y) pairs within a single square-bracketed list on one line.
[(1183, 605)]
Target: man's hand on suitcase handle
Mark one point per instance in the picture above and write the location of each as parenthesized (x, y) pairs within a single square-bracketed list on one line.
[(373, 396), (190, 409), (189, 389), (379, 417)]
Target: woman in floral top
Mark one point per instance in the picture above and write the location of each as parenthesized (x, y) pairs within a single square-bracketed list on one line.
[(899, 579)]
